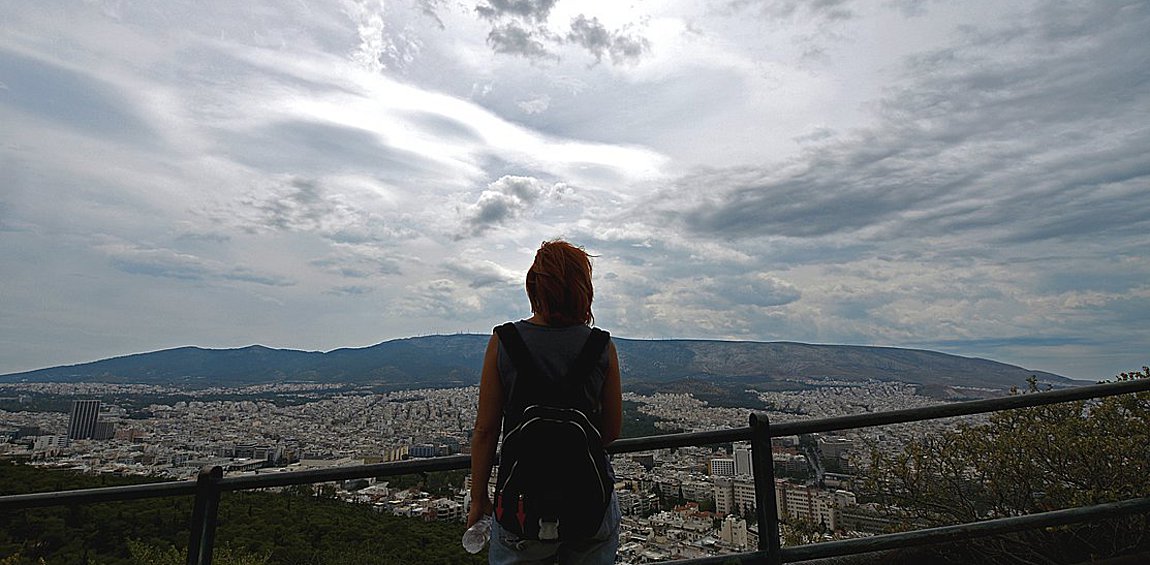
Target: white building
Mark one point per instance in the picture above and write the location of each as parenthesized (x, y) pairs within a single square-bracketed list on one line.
[(812, 504), (723, 467), (734, 495), (743, 465), (49, 443), (734, 531)]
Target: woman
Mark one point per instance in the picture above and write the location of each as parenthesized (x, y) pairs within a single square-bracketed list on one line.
[(559, 288)]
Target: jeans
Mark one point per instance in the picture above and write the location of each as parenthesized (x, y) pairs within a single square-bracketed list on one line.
[(507, 549)]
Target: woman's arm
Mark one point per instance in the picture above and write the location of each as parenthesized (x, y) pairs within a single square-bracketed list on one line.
[(488, 420), (612, 400)]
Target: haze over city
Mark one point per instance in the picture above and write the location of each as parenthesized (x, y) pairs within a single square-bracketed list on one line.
[(964, 177)]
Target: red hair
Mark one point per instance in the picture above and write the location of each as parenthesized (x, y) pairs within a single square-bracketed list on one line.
[(559, 284)]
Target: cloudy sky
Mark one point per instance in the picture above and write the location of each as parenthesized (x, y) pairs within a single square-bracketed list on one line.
[(969, 177)]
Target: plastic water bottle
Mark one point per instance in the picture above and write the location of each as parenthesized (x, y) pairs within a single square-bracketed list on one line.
[(476, 536)]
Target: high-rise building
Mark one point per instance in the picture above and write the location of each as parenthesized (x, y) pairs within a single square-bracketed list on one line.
[(104, 430), (743, 460), (734, 495), (812, 504), (82, 424), (723, 467)]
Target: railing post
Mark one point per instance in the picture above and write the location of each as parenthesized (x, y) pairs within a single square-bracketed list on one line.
[(204, 515), (766, 507)]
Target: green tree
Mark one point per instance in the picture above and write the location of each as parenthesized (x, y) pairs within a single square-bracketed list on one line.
[(800, 532), (148, 554), (17, 559), (1026, 461), (707, 505), (276, 528)]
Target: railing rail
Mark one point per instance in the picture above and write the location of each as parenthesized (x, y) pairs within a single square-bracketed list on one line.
[(210, 483)]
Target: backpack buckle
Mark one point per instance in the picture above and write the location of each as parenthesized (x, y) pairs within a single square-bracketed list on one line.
[(548, 530)]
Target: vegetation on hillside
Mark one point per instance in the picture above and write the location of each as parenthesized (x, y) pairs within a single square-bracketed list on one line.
[(456, 360), (638, 424), (276, 528), (1025, 461)]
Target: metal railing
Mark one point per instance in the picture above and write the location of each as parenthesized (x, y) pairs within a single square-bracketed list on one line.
[(211, 483)]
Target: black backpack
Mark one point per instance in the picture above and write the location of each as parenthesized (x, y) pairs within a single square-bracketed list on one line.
[(553, 481)]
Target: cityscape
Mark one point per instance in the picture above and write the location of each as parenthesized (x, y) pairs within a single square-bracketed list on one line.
[(271, 237), (676, 504)]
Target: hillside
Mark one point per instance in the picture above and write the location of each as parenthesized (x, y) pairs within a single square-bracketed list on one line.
[(455, 360), (287, 528)]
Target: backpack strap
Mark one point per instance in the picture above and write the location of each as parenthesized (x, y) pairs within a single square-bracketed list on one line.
[(512, 342), (590, 354), (527, 389)]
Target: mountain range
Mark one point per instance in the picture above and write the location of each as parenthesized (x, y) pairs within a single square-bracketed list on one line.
[(456, 360)]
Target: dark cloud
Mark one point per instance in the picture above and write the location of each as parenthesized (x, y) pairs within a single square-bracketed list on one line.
[(594, 37), (910, 8), (300, 204), (169, 264), (519, 28), (827, 198), (506, 199), (70, 98), (247, 275), (157, 268), (754, 290), (350, 290), (512, 39), (1045, 144), (358, 267), (303, 203), (530, 10), (788, 9)]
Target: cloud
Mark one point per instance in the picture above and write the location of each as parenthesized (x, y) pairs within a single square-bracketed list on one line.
[(507, 199), (595, 38), (359, 262), (520, 27), (336, 209), (535, 105), (830, 10), (481, 273), (529, 10), (442, 298), (316, 147), (381, 45), (968, 176), (941, 162), (757, 289), (910, 8), (813, 202), (171, 264), (512, 39), (350, 290), (70, 98), (444, 127)]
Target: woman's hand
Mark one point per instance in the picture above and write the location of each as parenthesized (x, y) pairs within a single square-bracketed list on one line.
[(479, 508)]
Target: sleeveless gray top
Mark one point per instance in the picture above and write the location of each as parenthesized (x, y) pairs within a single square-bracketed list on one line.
[(554, 349)]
